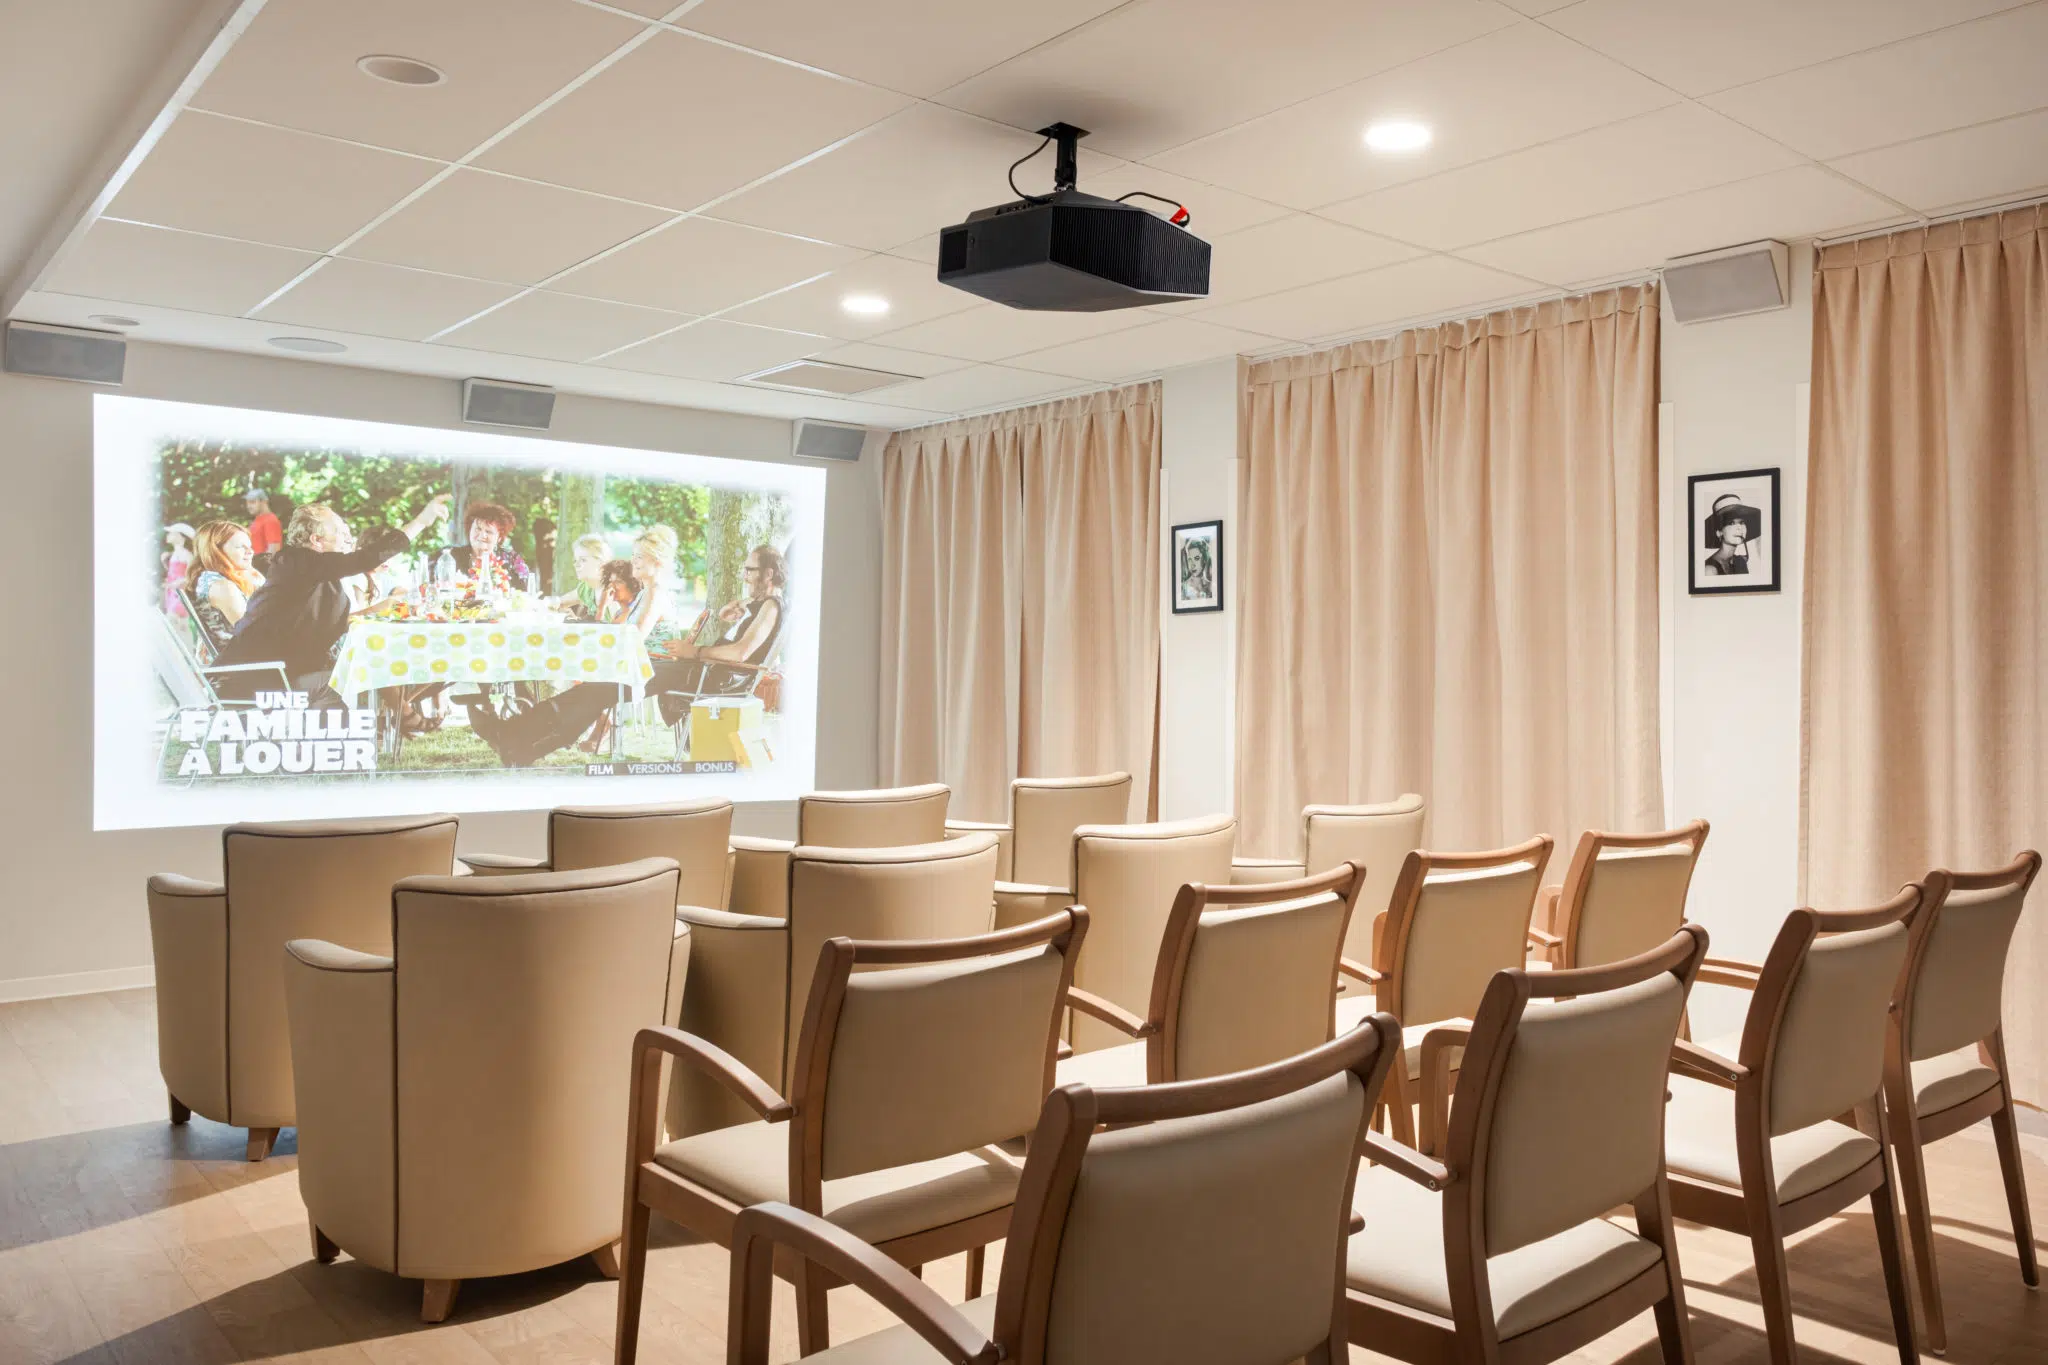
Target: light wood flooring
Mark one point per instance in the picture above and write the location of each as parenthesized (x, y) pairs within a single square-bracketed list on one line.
[(123, 1239)]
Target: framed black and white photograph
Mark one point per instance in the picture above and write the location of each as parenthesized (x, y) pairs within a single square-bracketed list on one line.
[(1198, 566), (1732, 532)]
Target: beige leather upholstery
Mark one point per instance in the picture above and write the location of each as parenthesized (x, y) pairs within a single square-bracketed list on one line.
[(462, 1102), (1943, 1082), (1037, 845), (1830, 1054), (1258, 985), (1127, 876), (221, 1036), (886, 817), (1377, 837), (1467, 925), (1699, 1143), (694, 833), (1960, 994), (751, 976), (1634, 899)]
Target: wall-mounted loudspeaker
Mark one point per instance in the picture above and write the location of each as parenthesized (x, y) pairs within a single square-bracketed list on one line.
[(64, 352), (829, 440), (1728, 283), (501, 403)]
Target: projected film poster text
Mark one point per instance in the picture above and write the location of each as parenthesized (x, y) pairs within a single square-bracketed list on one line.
[(300, 617)]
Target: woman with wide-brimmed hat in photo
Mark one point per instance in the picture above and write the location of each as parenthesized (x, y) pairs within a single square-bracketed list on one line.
[(1731, 527)]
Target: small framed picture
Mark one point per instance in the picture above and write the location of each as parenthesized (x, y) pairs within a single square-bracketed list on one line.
[(1198, 567), (1732, 532)]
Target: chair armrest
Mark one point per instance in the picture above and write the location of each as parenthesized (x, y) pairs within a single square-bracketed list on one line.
[(1022, 903), (747, 843), (1259, 871), (1111, 1013), (188, 934), (342, 1028), (1437, 1043), (1690, 1059), (332, 957), (1427, 1172), (501, 864), (1359, 971), (1539, 939), (728, 1070), (1005, 841), (957, 828), (1723, 971), (704, 917), (762, 1228), (760, 876)]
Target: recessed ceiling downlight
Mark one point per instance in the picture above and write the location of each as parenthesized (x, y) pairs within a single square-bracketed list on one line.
[(1397, 135), (309, 345), (384, 66), (865, 305), (114, 320)]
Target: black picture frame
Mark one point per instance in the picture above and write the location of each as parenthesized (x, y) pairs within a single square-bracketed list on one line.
[(1733, 498), (1185, 583)]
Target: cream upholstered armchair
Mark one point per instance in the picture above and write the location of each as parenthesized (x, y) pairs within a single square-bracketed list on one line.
[(1623, 894), (694, 833), (1234, 1254), (1945, 1057), (1038, 842), (906, 1081), (751, 974), (219, 951), (1376, 837), (888, 817), (1246, 976), (1501, 1251), (1454, 920), (1128, 877), (462, 1101), (1752, 1137)]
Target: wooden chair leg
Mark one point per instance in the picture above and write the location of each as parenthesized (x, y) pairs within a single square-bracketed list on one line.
[(606, 1259), (1400, 1105), (1886, 1219), (180, 1112), (1919, 1224), (813, 1330), (437, 1299), (1774, 1287), (1654, 1223), (2006, 1133), (261, 1141), (976, 1258), (632, 1280), (324, 1250)]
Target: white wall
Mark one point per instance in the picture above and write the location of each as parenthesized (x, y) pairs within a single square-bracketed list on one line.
[(73, 916), (1198, 651)]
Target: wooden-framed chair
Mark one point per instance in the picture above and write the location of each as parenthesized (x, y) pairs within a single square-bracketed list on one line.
[(1754, 1139), (694, 833), (1377, 837), (905, 1083), (1037, 844), (1247, 976), (885, 817), (1237, 1256), (1501, 1252), (1623, 894), (1945, 1054), (1454, 920)]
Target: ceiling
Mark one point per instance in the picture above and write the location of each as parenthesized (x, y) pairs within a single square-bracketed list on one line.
[(652, 200)]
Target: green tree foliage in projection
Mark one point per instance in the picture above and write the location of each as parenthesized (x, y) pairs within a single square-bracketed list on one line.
[(202, 481), (632, 505), (737, 522)]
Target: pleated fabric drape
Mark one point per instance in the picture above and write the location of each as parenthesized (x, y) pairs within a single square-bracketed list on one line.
[(1926, 633), (1448, 576), (1020, 579)]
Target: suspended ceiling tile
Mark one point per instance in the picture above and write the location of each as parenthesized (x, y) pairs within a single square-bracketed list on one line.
[(1296, 250), (493, 227), (1151, 349), (382, 300), (562, 327), (1791, 203), (992, 331), (1216, 212), (716, 349), (2003, 160), (982, 386), (911, 292), (872, 356), (703, 265), (296, 67), (265, 184), (680, 121), (1508, 90), (1425, 287), (170, 269), (1971, 73), (1153, 76)]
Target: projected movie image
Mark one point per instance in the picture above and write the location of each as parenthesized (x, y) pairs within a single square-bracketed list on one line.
[(347, 618)]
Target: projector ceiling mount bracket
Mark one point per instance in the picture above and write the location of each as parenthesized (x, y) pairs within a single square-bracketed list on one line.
[(1066, 137)]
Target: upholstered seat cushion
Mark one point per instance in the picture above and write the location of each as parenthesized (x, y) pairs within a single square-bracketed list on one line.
[(901, 1345), (1103, 1068), (1351, 1009), (1699, 1144), (1946, 1081), (749, 1164), (1399, 1257)]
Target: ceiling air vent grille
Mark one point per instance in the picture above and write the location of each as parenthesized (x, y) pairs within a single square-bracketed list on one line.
[(821, 376)]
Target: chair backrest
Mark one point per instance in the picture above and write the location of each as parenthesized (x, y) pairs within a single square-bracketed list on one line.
[(1128, 877), (1952, 993), (888, 817), (694, 833), (1247, 975), (209, 643), (1625, 893), (1376, 837), (171, 656), (1045, 812), (1814, 1038), (329, 880), (1199, 1222), (940, 890), (1454, 920), (913, 1051), (516, 997), (1559, 1110)]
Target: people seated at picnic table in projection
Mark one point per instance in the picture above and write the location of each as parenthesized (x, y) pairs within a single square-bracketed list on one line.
[(488, 560), (222, 577), (301, 613), (588, 556), (743, 631)]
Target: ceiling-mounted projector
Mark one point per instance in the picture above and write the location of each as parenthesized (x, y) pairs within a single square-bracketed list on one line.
[(1069, 252)]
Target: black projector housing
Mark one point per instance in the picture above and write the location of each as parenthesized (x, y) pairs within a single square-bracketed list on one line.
[(1070, 252)]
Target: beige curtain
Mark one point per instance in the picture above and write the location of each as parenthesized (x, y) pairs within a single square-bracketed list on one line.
[(1020, 578), (1926, 674), (1448, 576)]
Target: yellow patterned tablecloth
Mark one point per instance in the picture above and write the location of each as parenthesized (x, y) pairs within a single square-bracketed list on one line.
[(378, 654)]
